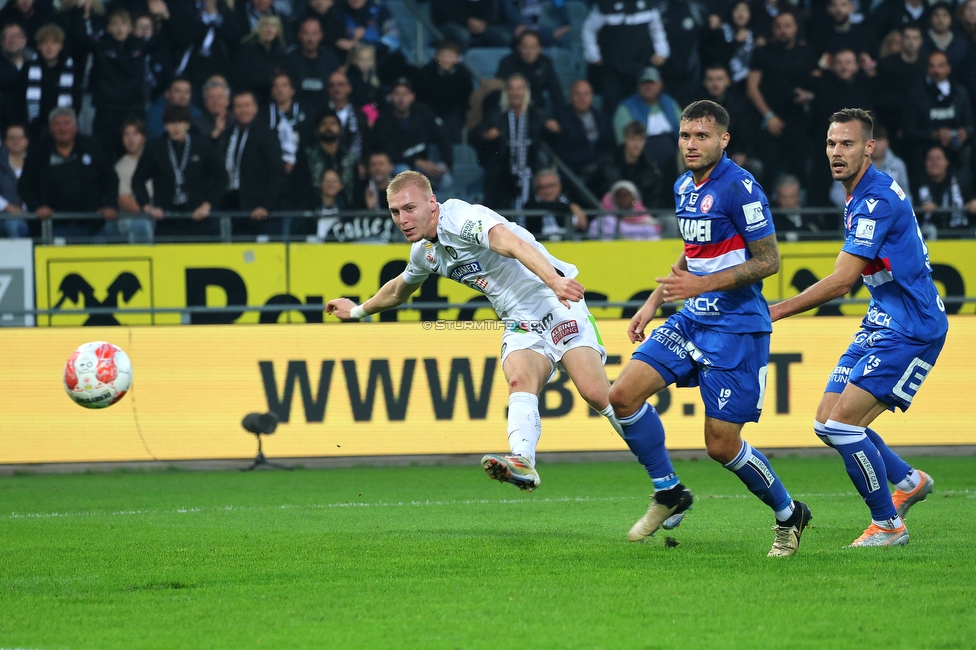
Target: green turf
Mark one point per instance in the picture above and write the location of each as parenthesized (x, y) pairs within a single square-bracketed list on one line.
[(440, 557)]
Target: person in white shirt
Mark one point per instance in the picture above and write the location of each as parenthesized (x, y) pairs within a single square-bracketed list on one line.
[(547, 324)]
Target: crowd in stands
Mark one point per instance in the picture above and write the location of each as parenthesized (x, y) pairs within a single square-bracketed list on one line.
[(164, 107)]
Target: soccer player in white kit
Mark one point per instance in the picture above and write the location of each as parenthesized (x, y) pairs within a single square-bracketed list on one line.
[(547, 325)]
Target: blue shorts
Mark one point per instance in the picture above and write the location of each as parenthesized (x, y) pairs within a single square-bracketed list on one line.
[(886, 364), (729, 368)]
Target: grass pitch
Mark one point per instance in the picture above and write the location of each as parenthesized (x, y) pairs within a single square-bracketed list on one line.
[(441, 557)]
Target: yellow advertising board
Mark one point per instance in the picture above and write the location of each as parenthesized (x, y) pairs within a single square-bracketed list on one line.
[(290, 277), (401, 388)]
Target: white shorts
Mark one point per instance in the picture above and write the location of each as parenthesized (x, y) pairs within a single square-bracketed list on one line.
[(552, 336)]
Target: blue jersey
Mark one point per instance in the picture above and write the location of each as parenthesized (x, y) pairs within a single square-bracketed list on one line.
[(717, 219), (880, 225)]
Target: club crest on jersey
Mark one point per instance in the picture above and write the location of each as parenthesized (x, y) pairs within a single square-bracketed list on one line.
[(706, 204)]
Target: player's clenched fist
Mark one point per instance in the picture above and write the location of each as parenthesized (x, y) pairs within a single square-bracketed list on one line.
[(340, 308)]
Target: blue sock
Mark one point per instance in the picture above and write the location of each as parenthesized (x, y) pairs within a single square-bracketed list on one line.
[(895, 468), (865, 466), (644, 434), (754, 470)]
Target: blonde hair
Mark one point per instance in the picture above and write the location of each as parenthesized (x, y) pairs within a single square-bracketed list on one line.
[(403, 180), (266, 20), (503, 102)]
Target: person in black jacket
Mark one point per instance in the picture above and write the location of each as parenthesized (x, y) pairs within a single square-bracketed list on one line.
[(51, 79), (446, 86), (69, 173), (311, 63), (187, 175), (537, 68), (585, 133), (256, 173), (406, 132), (259, 55), (470, 23)]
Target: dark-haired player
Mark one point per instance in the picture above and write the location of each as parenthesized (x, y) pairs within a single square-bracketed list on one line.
[(719, 341), (901, 334)]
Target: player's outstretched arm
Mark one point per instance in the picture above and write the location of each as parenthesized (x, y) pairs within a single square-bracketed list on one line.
[(395, 292), (646, 313), (503, 241), (681, 284), (847, 269)]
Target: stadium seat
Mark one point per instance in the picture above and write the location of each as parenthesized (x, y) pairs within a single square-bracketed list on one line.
[(566, 69), (469, 177), (484, 60), (407, 28)]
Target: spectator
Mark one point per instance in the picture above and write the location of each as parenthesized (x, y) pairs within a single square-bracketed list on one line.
[(619, 40), (330, 202), (511, 131), (187, 175), (742, 148), (134, 143), (779, 70), (548, 196), (890, 44), (15, 54), (407, 131), (629, 162), (256, 173), (333, 28), (537, 68), (790, 222), (627, 219), (844, 84), (684, 26), (30, 15), (898, 74), (896, 14), (731, 44), (49, 81), (363, 76), (942, 188), (13, 154), (446, 86), (204, 49), (840, 32), (259, 56), (118, 80), (68, 173), (469, 23), (243, 21), (216, 118), (355, 123), (942, 37), (311, 63), (585, 133), (966, 19), (528, 15), (660, 113), (368, 22), (286, 117), (372, 194), (327, 152), (179, 93), (938, 112), (882, 158)]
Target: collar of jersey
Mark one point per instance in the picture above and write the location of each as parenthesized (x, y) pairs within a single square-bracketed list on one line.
[(864, 183), (716, 172)]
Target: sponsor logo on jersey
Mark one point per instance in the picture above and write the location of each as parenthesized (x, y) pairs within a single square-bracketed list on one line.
[(451, 251), (470, 230), (877, 317), (896, 188), (692, 200), (703, 306), (841, 374), (865, 229), (567, 328), (872, 204), (746, 183), (696, 230), (754, 214), (461, 271), (707, 203)]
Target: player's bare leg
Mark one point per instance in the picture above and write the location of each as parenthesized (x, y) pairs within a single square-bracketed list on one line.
[(644, 434), (724, 443), (585, 367), (526, 372), (842, 422)]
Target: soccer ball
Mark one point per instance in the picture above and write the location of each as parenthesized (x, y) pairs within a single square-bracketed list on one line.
[(97, 375)]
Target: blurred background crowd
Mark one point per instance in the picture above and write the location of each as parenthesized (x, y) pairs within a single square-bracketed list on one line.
[(566, 110)]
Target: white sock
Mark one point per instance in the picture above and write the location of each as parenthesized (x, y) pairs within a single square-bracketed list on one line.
[(785, 513), (609, 414), (524, 424), (910, 482), (888, 524)]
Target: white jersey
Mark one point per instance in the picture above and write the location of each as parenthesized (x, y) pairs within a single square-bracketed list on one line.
[(461, 253)]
